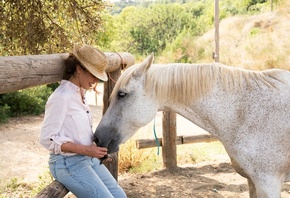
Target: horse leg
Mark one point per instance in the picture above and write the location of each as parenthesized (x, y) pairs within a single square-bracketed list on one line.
[(269, 187), (252, 189)]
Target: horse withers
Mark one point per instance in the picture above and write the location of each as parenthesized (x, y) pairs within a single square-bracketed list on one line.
[(248, 111)]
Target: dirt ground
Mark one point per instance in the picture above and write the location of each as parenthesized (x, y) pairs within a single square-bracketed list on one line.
[(22, 157)]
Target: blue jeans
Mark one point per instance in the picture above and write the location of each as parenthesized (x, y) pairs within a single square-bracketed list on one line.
[(84, 176)]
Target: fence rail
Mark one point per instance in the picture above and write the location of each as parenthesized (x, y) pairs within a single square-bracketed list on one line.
[(149, 143)]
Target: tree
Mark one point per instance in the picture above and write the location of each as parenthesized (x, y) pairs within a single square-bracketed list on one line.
[(151, 29), (48, 26)]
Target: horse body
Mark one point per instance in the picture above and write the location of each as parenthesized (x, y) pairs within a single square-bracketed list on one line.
[(247, 111), (255, 132)]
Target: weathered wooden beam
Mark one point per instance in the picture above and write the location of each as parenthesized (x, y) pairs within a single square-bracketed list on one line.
[(19, 72), (169, 140), (149, 143), (198, 139), (55, 190)]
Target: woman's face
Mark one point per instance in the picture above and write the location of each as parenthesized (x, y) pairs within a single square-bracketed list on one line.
[(86, 79)]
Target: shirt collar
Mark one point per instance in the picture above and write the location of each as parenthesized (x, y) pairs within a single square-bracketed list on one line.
[(70, 85), (73, 87)]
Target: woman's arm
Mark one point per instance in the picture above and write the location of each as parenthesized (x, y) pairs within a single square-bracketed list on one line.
[(91, 151)]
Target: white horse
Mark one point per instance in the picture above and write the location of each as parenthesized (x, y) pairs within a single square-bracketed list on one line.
[(248, 111)]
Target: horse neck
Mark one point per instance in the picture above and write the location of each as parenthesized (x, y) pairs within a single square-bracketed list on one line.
[(192, 115), (209, 113)]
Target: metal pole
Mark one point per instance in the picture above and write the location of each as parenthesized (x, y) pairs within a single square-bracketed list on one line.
[(216, 25)]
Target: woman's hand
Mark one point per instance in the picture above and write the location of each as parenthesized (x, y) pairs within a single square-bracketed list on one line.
[(95, 151), (92, 151)]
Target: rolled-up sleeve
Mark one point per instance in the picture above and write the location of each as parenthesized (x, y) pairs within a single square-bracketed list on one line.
[(50, 135)]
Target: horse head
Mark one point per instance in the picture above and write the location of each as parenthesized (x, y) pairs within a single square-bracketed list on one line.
[(130, 108)]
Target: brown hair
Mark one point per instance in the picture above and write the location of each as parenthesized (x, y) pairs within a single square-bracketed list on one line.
[(70, 66)]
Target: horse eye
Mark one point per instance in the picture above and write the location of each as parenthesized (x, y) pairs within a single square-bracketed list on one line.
[(121, 94)]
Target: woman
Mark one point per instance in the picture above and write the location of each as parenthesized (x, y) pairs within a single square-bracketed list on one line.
[(67, 128)]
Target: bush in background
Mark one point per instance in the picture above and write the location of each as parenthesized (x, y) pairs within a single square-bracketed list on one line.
[(29, 101), (4, 113)]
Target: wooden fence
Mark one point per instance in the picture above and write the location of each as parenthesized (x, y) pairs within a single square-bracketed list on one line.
[(182, 139)]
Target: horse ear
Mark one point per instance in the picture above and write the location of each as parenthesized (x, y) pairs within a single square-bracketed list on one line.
[(144, 66)]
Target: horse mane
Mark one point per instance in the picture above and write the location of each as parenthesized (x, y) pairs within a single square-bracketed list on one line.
[(186, 82)]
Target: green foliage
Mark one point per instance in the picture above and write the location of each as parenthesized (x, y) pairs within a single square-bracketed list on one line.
[(143, 29), (38, 27), (4, 113), (249, 3), (151, 29), (140, 27), (29, 101)]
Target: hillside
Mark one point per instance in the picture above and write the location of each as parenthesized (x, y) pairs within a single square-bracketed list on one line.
[(254, 42)]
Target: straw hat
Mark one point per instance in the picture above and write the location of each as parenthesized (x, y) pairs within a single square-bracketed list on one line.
[(92, 59)]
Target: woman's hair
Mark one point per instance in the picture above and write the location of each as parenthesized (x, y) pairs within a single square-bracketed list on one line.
[(70, 66)]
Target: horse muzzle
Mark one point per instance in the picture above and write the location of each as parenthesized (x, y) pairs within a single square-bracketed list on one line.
[(112, 146)]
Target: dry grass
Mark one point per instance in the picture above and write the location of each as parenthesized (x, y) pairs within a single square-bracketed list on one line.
[(134, 160), (257, 42)]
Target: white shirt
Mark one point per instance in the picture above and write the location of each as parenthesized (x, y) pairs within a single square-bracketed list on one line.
[(66, 119)]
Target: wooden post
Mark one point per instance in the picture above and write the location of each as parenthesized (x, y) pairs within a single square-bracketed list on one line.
[(169, 139), (216, 25), (108, 88)]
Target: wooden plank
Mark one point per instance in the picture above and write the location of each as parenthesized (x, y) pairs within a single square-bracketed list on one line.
[(55, 190), (19, 72), (149, 143), (198, 139), (169, 140)]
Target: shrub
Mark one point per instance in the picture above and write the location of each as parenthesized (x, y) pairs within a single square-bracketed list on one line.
[(4, 113), (29, 101)]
